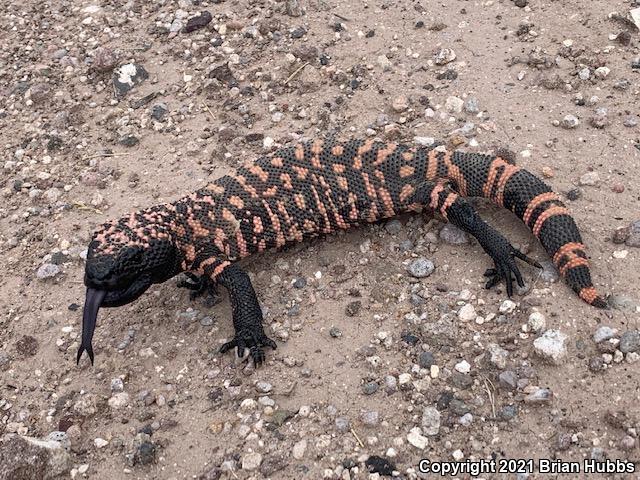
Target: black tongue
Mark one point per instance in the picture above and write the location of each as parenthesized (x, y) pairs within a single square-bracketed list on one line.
[(89, 316)]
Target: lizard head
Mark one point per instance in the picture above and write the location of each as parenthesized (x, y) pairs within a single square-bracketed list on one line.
[(124, 259)]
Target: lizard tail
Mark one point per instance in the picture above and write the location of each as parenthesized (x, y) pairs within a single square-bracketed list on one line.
[(541, 209)]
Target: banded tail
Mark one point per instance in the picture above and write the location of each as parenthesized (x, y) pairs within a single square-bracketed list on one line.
[(534, 202)]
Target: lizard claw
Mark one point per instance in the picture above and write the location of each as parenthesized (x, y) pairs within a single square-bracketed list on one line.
[(199, 285), (505, 268), (252, 342)]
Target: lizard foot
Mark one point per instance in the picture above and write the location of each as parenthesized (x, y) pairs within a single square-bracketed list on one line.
[(504, 257), (199, 285), (251, 340)]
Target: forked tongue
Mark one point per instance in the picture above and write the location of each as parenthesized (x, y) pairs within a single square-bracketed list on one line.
[(89, 316)]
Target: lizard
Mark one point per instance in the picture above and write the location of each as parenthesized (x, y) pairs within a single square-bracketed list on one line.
[(313, 188)]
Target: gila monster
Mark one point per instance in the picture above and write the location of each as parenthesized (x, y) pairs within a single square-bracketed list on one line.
[(313, 188)]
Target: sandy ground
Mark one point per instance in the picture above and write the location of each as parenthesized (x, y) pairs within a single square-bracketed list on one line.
[(348, 380)]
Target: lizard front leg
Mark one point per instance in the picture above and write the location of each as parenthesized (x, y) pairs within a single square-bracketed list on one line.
[(247, 315)]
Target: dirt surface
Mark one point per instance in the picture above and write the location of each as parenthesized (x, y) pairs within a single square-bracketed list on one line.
[(366, 352)]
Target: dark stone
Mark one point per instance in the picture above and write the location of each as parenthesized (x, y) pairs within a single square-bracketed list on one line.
[(370, 388), (447, 75), (58, 258), (461, 380), (630, 341), (272, 464), (370, 33), (215, 394), (444, 400), (128, 76), (159, 111), (197, 22), (521, 3), (353, 308), (222, 73), (508, 412), (458, 407), (409, 338), (574, 194), (54, 143), (279, 417), (596, 364), (27, 346), (379, 465), (254, 137), (419, 24), (214, 474), (145, 454), (298, 32), (426, 360), (299, 282), (74, 307), (128, 140)]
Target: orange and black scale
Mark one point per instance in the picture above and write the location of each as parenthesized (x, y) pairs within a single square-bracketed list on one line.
[(320, 187)]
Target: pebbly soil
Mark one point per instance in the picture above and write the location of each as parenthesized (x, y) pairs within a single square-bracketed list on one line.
[(371, 360)]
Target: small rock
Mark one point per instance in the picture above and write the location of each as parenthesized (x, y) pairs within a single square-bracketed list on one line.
[(497, 355), (263, 387), (400, 104), (117, 385), (380, 465), (590, 179), (119, 400), (630, 341), (604, 333), (430, 421), (353, 308), (393, 227), (293, 8), (467, 313), (299, 450), (47, 270), (633, 239), (570, 121), (507, 306), (104, 59), (424, 141), (508, 380), (471, 105), (426, 359), (384, 63), (536, 322), (370, 388), (551, 346), (463, 367), (602, 72), (199, 21), (128, 76), (539, 395), (100, 442), (421, 267), (452, 235), (159, 111), (454, 104), (444, 56), (599, 118), (416, 439), (549, 273), (370, 418)]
